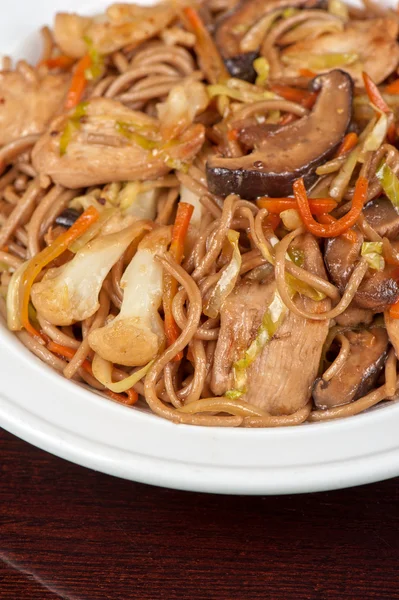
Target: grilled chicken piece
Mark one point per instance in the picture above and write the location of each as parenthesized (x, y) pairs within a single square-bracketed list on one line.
[(101, 148), (123, 25), (26, 106), (382, 217), (372, 40), (368, 352), (241, 317), (280, 379)]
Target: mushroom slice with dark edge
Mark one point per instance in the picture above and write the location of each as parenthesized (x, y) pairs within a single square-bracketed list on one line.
[(382, 217), (293, 151), (233, 27), (368, 352), (378, 290)]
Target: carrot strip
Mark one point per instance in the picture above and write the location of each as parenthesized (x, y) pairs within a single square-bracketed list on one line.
[(338, 227), (211, 60), (318, 206), (349, 235), (69, 353), (394, 311), (307, 73), (393, 88), (59, 62), (53, 251), (78, 83), (272, 221), (349, 142), (179, 234), (303, 97), (374, 94)]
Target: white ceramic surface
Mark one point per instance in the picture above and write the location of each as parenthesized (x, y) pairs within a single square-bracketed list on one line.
[(41, 407)]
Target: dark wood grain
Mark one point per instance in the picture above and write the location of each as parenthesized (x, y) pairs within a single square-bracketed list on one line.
[(67, 532)]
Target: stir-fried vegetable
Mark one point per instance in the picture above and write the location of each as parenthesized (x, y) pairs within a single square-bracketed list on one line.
[(272, 320), (228, 279), (338, 9), (59, 62), (372, 251), (135, 336), (79, 82), (41, 260), (179, 234), (70, 293), (318, 206), (350, 141), (318, 62), (389, 183), (340, 226), (303, 97), (374, 94), (262, 68), (237, 90), (72, 125), (102, 371), (208, 54)]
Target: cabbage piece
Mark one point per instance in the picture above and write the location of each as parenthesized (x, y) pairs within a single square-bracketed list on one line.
[(135, 336), (372, 252), (389, 183), (70, 293)]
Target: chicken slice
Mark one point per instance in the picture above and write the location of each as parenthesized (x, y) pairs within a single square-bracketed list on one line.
[(107, 143), (280, 380), (26, 106), (372, 44), (241, 316), (122, 25)]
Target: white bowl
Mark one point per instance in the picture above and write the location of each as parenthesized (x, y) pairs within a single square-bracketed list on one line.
[(61, 417)]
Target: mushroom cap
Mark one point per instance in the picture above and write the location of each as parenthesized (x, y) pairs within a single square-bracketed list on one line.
[(293, 151)]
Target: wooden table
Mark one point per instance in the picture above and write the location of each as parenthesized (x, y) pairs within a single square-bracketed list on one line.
[(67, 532)]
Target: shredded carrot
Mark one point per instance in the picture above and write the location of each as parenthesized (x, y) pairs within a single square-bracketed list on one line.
[(272, 221), (78, 83), (307, 73), (46, 256), (303, 97), (338, 227), (69, 353), (349, 142), (209, 55), (349, 235), (179, 234), (394, 311), (374, 94), (318, 206), (393, 88), (232, 135), (65, 352), (59, 62)]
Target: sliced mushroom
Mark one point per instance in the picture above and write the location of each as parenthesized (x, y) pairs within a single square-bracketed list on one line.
[(378, 290), (383, 218), (233, 27), (293, 151), (354, 316), (368, 352)]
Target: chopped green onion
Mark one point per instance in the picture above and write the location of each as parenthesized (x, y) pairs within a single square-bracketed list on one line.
[(321, 61), (272, 320), (262, 68), (372, 252), (389, 183), (72, 125)]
